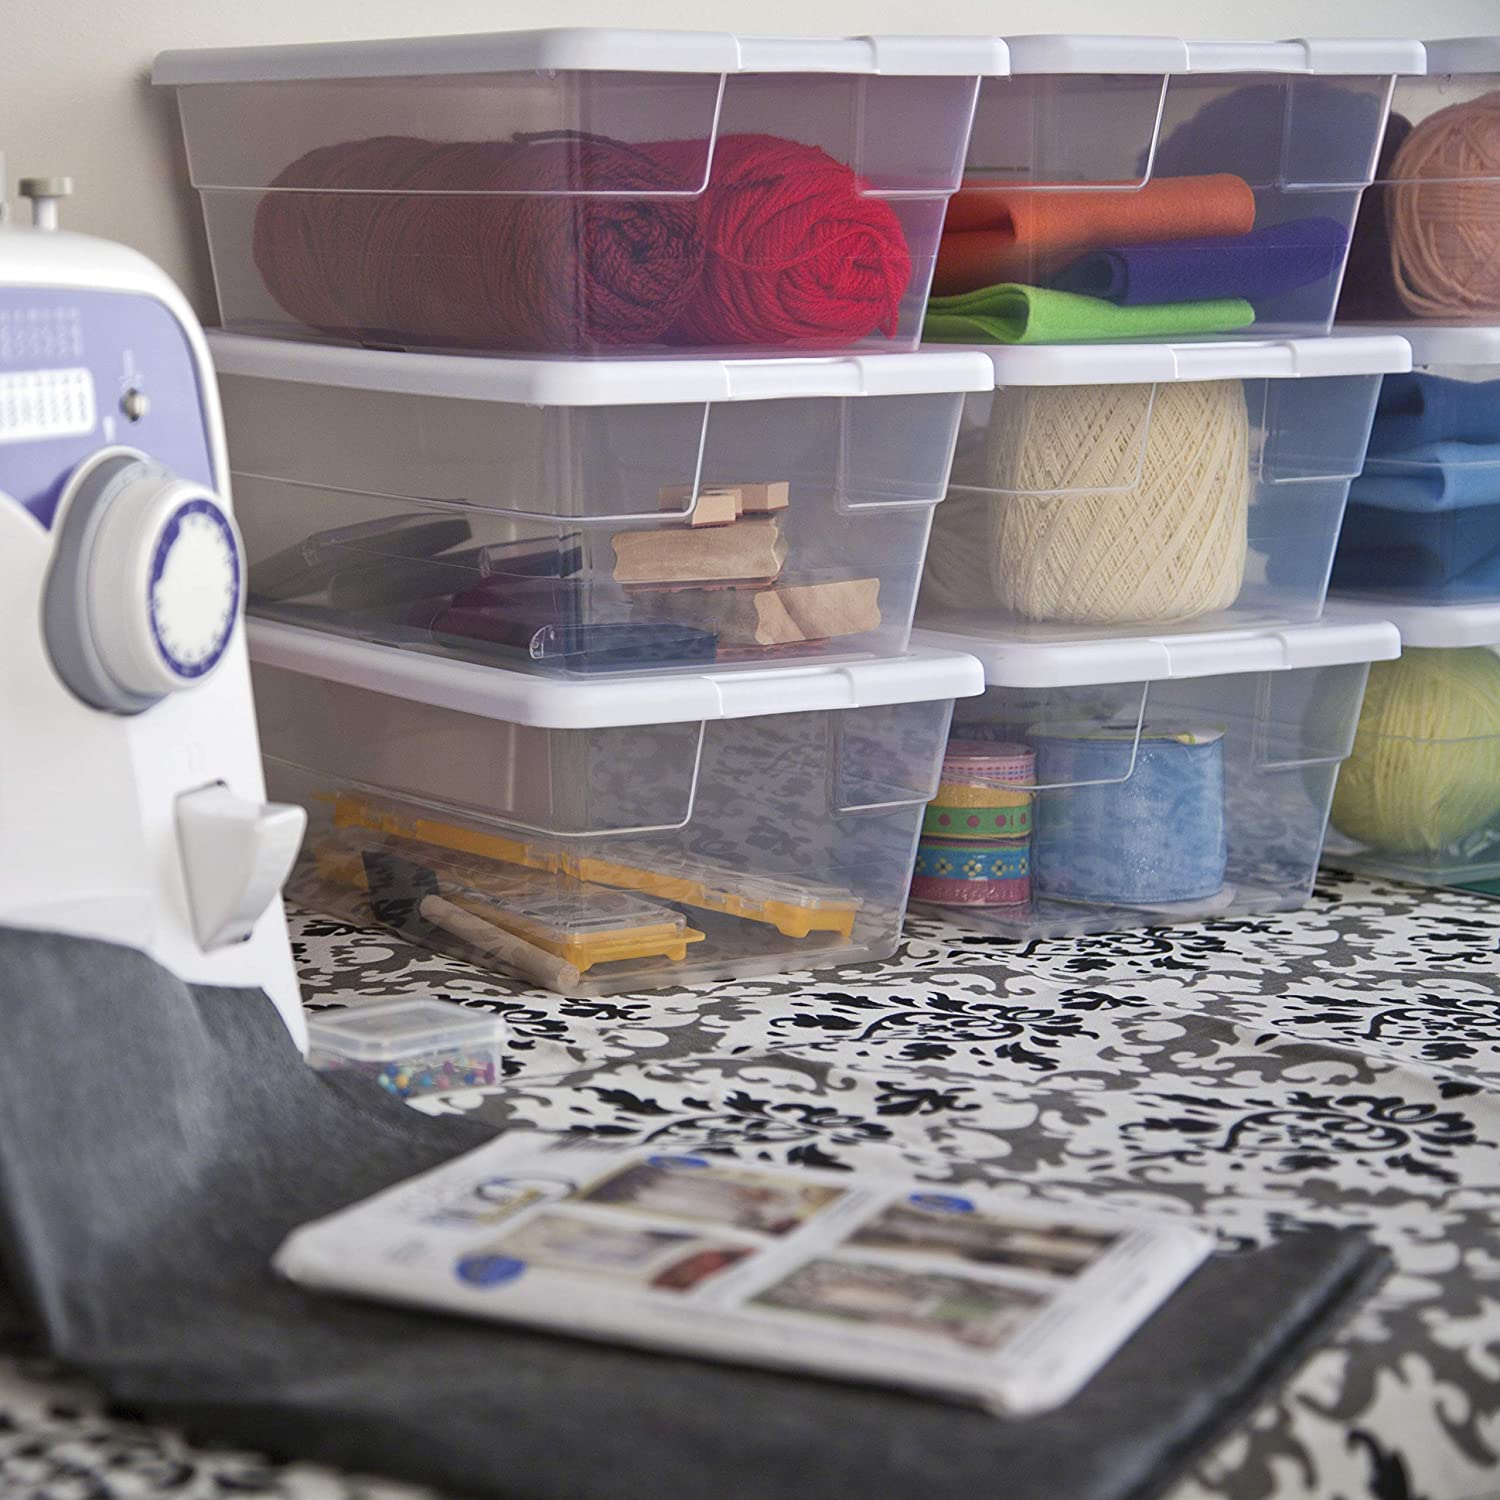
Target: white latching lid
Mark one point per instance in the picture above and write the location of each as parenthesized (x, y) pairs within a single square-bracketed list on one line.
[(1329, 56), (1253, 359), (1476, 346), (1462, 54), (921, 676), (600, 382), (586, 49), (1429, 625), (1012, 662)]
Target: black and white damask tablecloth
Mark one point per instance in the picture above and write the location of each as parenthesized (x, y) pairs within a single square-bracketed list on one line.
[(1338, 1065)]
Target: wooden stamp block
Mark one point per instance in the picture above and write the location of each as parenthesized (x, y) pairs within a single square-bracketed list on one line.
[(700, 554), (717, 506)]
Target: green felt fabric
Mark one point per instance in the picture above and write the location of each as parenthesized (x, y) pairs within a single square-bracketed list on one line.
[(1015, 314)]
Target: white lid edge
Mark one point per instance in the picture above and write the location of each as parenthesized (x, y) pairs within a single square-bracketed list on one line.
[(585, 49), (1429, 625), (1433, 344), (1040, 664), (1123, 364), (1462, 54), (621, 699), (1328, 56), (601, 382)]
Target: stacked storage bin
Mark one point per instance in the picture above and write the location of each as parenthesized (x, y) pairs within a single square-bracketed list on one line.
[(1148, 187), (1427, 246), (1138, 536), (1420, 797), (1420, 800), (584, 523)]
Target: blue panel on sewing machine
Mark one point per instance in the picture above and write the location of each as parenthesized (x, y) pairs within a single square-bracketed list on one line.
[(79, 369)]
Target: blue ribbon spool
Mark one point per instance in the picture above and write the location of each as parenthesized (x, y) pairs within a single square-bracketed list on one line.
[(1107, 832)]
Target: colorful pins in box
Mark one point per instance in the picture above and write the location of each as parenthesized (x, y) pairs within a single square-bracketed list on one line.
[(975, 848)]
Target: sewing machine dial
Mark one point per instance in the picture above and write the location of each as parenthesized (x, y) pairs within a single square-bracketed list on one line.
[(194, 584), (145, 586)]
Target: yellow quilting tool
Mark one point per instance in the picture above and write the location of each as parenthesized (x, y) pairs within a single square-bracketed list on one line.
[(583, 925), (796, 909)]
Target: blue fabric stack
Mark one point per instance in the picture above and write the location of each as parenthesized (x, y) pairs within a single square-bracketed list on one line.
[(1424, 516)]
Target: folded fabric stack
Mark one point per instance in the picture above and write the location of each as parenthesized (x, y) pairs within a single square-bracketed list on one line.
[(1042, 264), (1425, 513)]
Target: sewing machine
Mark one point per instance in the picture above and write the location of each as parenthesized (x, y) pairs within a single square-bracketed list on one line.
[(132, 806)]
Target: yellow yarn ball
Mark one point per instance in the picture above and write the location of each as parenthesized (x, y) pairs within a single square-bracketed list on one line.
[(1087, 521), (1425, 769)]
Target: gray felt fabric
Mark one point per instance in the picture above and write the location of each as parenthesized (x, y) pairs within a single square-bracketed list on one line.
[(156, 1144)]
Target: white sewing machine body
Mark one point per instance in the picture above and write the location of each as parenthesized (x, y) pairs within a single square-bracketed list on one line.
[(132, 805)]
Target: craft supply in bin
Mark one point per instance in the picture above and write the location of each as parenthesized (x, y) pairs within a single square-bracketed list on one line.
[(1427, 245), (644, 831), (409, 1047), (579, 191), (1107, 490), (1419, 797), (1423, 521), (1136, 815), (1177, 777), (592, 517), (975, 847), (1152, 187)]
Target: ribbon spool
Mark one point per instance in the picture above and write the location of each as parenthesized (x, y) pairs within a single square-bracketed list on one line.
[(1131, 822), (975, 848), (972, 872)]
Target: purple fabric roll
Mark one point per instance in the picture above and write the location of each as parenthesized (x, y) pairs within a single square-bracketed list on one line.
[(1369, 293), (1262, 264)]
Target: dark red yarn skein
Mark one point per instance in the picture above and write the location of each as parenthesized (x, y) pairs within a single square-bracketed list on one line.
[(421, 261), (782, 247), (796, 251)]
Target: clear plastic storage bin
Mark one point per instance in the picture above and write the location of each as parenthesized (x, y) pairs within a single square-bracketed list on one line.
[(1419, 797), (1107, 489), (590, 517), (1423, 520), (632, 833), (1149, 187), (1175, 778), (580, 191), (409, 1047), (1427, 246)]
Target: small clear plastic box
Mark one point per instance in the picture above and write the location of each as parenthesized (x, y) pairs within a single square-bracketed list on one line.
[(1454, 772), (580, 191), (1423, 521), (1424, 248), (1282, 135), (589, 517), (410, 1047), (1110, 490), (1178, 778), (651, 831)]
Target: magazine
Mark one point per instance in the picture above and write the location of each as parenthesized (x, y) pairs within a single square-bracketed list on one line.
[(956, 1293)]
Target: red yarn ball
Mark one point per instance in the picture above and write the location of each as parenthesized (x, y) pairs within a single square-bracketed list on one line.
[(797, 251)]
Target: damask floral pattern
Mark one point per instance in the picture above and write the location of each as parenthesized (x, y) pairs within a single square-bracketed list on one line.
[(1337, 1065)]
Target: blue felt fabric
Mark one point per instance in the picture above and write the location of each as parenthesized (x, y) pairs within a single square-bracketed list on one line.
[(1430, 477), (1424, 516), (1262, 264), (1148, 835), (1416, 409)]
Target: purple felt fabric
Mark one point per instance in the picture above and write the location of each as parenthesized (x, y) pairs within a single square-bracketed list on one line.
[(1257, 266)]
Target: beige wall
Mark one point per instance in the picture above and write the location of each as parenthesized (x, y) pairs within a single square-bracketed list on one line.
[(74, 97)]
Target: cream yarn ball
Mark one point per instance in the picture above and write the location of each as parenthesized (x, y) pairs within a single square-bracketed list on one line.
[(1084, 523), (1425, 768)]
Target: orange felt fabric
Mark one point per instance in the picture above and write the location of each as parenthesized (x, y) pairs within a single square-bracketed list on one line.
[(1009, 233)]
